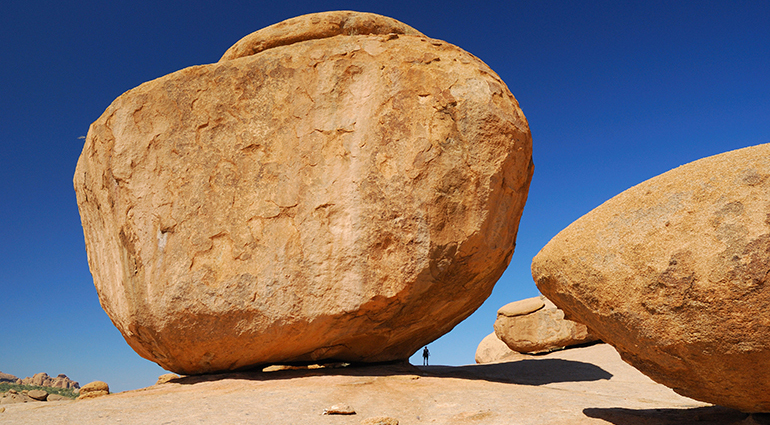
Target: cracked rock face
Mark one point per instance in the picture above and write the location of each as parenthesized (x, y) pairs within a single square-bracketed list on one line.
[(337, 187), (674, 273)]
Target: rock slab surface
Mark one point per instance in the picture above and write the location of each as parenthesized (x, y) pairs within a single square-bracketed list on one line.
[(536, 325), (316, 194), (583, 386), (674, 273)]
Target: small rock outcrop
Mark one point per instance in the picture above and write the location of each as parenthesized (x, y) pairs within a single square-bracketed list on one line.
[(94, 389), (43, 380), (674, 273), (12, 396), (329, 183), (536, 325)]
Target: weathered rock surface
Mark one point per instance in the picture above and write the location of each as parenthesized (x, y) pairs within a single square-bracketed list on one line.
[(674, 273), (536, 325), (491, 349), (317, 199), (380, 420), (43, 380), (522, 307), (94, 389)]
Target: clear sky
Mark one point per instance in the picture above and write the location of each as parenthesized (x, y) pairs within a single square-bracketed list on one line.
[(615, 92)]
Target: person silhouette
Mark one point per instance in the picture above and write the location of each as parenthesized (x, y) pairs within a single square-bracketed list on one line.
[(425, 355)]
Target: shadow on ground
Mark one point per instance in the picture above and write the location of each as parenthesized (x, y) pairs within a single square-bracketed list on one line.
[(523, 372), (711, 415)]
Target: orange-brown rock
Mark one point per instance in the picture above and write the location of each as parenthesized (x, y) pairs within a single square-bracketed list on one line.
[(94, 389), (337, 187), (674, 273), (536, 325)]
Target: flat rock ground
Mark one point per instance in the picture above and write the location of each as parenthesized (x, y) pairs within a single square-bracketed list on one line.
[(589, 385)]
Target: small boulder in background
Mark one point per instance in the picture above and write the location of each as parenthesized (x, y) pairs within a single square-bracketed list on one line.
[(94, 389), (492, 350), (536, 325), (38, 395)]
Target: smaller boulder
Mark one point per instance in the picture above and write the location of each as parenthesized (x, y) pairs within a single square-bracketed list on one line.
[(38, 395), (540, 329), (94, 389), (492, 350), (166, 377)]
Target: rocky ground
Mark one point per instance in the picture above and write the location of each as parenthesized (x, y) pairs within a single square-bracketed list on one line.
[(588, 385)]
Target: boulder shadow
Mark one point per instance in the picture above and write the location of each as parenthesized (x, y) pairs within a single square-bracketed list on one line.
[(282, 372), (522, 372), (708, 415)]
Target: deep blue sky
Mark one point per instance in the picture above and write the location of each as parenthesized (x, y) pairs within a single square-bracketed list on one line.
[(615, 93)]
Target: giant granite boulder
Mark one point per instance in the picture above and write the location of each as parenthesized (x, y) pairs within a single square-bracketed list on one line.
[(674, 273), (337, 187)]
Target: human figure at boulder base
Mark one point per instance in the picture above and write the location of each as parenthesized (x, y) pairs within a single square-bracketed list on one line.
[(425, 355)]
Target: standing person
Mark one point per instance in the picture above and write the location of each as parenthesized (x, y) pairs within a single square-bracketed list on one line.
[(425, 355)]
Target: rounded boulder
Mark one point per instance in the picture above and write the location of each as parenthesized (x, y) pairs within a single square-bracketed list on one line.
[(674, 273), (337, 187)]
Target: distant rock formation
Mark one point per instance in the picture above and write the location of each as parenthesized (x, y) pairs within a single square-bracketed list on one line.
[(674, 274), (536, 325), (43, 380), (6, 377), (337, 187)]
